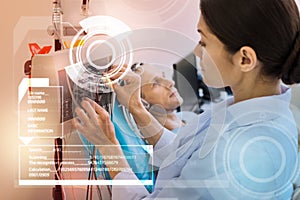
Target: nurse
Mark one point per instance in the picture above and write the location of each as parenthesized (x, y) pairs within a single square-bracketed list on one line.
[(244, 147)]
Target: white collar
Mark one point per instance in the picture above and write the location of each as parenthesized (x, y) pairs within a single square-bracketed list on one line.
[(252, 110)]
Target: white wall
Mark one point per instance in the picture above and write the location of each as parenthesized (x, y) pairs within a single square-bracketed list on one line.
[(180, 16)]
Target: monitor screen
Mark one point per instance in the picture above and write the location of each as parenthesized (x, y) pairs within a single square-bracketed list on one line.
[(186, 82)]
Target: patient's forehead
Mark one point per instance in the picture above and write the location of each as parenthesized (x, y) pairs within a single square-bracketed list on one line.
[(149, 73)]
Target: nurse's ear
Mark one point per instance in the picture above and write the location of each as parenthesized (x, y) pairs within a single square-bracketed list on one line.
[(246, 59)]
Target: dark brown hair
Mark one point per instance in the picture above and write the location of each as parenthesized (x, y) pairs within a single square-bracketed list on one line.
[(270, 27)]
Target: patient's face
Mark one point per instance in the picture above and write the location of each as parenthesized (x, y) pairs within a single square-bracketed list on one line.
[(158, 90)]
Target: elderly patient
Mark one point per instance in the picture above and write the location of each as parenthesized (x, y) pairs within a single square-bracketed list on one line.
[(161, 99)]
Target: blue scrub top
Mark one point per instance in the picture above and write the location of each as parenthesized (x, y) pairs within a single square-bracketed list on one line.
[(247, 150)]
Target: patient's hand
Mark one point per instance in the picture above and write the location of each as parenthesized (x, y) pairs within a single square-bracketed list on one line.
[(128, 91), (95, 124)]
